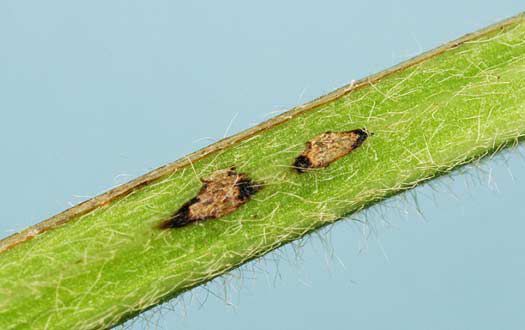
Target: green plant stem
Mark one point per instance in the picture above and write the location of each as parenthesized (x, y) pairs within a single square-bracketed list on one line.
[(105, 260)]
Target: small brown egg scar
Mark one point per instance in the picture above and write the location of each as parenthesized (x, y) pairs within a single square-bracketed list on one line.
[(328, 147)]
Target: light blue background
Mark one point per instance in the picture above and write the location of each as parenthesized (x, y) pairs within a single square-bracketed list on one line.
[(94, 93)]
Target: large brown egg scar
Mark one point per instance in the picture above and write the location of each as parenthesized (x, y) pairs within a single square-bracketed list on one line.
[(221, 194)]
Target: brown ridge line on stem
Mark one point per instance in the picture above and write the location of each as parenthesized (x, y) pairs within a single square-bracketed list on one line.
[(161, 172)]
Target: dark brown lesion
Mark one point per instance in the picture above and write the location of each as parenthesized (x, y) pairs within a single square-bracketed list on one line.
[(328, 147), (221, 194)]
